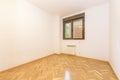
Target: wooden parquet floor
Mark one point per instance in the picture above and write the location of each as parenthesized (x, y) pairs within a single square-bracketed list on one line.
[(61, 67)]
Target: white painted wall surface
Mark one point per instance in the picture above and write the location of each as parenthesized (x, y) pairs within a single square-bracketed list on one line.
[(96, 43), (115, 35), (26, 33), (33, 32), (56, 35), (6, 33)]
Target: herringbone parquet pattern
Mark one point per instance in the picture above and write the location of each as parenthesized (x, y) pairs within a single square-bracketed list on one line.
[(54, 67)]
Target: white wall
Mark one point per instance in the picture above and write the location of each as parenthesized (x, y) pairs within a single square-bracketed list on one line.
[(33, 32), (6, 33), (96, 43), (115, 35), (26, 33), (56, 35)]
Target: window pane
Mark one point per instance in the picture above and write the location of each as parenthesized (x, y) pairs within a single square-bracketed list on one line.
[(68, 30), (78, 28)]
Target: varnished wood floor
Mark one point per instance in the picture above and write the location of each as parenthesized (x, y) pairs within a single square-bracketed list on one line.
[(61, 67)]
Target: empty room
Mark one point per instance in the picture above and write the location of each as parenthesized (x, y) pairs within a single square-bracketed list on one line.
[(59, 40)]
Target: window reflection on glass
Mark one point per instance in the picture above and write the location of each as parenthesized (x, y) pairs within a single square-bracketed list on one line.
[(68, 30), (78, 28)]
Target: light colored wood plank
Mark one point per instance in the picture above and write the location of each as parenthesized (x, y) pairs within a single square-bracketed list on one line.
[(58, 66)]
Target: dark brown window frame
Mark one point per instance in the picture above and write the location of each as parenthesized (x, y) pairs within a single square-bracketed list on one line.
[(71, 19)]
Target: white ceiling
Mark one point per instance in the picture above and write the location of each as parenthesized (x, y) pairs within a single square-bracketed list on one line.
[(65, 7)]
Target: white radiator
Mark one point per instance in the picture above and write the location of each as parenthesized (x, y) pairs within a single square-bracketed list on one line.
[(70, 49)]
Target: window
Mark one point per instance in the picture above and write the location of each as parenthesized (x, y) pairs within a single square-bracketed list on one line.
[(74, 27)]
